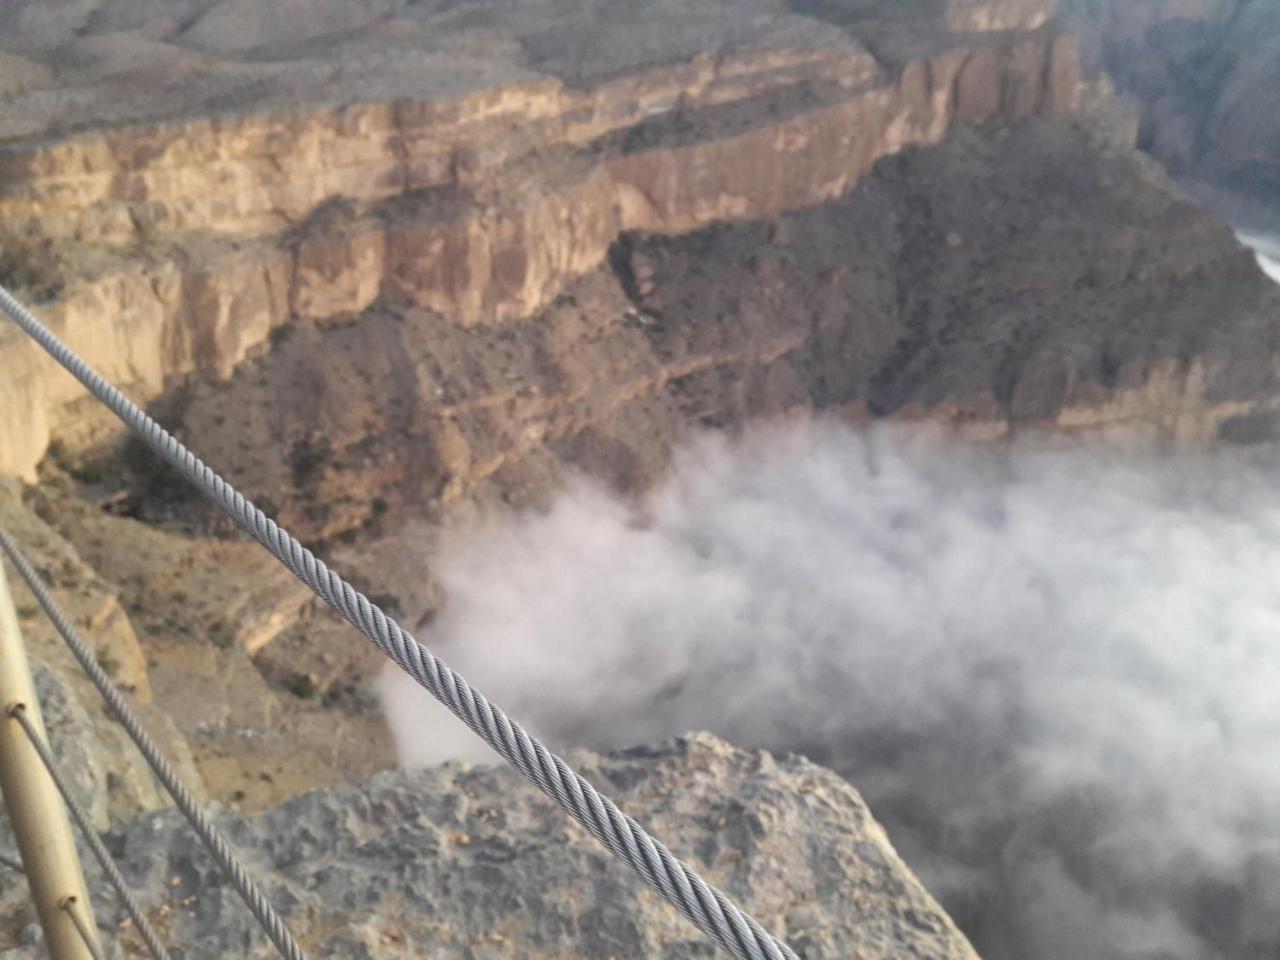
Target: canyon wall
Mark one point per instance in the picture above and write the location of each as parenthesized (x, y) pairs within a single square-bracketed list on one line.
[(174, 248), (403, 307), (378, 271), (1022, 280), (387, 278), (1204, 75)]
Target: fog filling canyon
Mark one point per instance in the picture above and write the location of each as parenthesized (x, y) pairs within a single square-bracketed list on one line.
[(1050, 670), (1267, 249)]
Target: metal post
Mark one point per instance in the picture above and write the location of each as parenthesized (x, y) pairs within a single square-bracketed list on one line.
[(36, 813)]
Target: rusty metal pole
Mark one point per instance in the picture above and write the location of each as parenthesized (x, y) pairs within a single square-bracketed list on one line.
[(36, 813)]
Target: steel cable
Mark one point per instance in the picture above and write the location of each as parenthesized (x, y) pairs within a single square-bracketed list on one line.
[(705, 906), (254, 899)]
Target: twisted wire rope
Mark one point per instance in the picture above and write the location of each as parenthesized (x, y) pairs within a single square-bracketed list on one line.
[(709, 909), (19, 713), (70, 906), (254, 899)]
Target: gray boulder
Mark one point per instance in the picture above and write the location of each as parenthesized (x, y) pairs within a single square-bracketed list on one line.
[(472, 862)]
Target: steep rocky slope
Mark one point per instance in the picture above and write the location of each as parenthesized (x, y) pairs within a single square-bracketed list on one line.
[(205, 635), (1001, 284)]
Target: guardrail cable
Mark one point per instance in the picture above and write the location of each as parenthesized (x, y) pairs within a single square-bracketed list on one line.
[(705, 906), (254, 899)]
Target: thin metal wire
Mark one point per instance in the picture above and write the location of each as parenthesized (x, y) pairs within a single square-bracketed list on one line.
[(19, 712), (72, 907), (257, 903), (705, 906)]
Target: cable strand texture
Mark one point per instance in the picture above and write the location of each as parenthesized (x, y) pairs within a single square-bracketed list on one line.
[(702, 904)]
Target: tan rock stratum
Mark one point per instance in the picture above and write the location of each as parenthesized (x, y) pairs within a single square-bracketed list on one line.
[(474, 166)]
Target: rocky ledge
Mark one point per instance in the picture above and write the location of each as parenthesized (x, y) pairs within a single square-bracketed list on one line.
[(474, 863)]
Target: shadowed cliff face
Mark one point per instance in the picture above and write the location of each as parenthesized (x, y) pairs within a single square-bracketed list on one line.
[(999, 283), (1205, 74)]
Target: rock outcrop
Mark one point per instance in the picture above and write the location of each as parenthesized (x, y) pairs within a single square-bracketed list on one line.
[(472, 862), (176, 247), (110, 778)]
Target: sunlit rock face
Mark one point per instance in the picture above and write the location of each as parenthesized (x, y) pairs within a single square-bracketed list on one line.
[(478, 186)]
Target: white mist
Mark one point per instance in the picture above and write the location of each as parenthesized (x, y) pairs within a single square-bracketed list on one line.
[(1054, 673)]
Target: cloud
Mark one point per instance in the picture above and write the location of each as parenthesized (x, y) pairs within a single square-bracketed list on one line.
[(1267, 250), (1053, 672)]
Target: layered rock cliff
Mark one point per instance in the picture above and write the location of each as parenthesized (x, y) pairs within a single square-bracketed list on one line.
[(478, 190), (961, 283)]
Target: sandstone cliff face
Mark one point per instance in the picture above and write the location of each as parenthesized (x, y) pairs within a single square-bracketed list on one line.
[(1003, 283), (460, 862), (396, 264), (961, 283), (175, 248)]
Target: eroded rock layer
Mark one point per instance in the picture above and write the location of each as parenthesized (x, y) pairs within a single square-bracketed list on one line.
[(1025, 280), (175, 248)]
